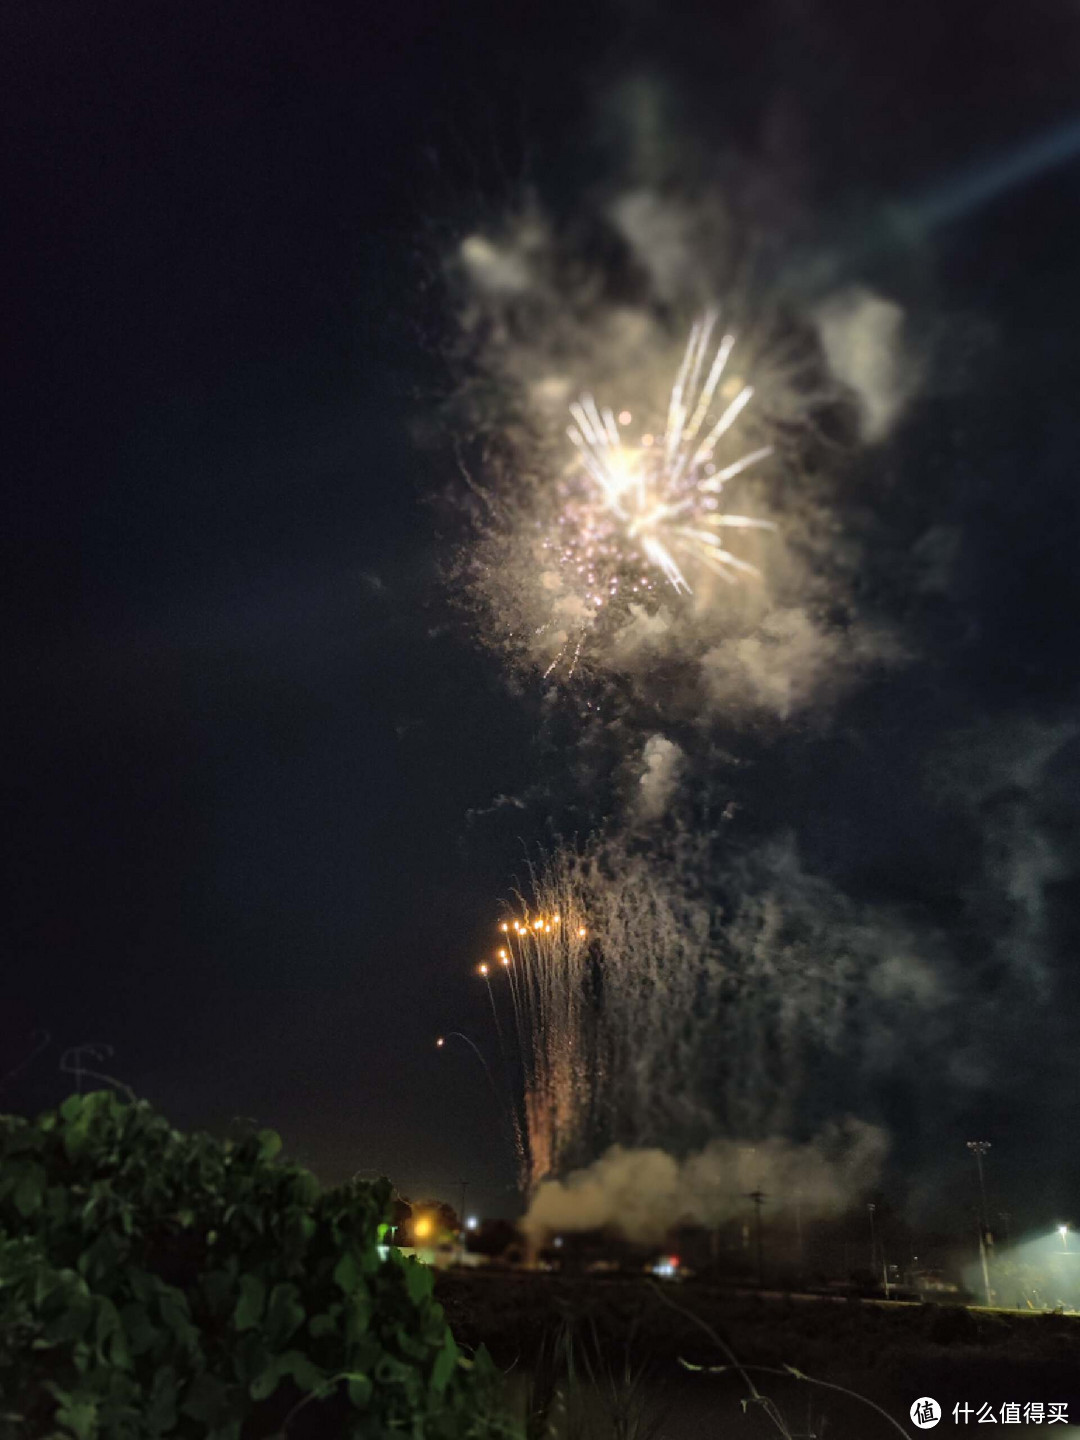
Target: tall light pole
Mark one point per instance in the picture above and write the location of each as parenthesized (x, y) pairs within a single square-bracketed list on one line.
[(979, 1148)]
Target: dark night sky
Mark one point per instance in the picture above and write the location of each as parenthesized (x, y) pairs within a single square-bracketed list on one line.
[(244, 730)]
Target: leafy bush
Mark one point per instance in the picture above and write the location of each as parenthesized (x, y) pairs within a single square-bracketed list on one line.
[(157, 1284)]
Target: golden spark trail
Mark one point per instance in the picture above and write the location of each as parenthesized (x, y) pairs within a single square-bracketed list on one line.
[(544, 954)]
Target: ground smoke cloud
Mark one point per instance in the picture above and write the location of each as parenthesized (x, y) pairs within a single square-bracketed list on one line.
[(643, 1194)]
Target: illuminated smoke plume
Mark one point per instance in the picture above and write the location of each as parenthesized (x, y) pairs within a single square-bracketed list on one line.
[(862, 335), (663, 762)]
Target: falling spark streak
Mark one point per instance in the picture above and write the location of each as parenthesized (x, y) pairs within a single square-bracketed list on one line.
[(632, 509), (545, 958)]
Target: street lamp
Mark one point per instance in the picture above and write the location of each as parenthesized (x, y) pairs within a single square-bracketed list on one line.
[(979, 1148), (1063, 1231)]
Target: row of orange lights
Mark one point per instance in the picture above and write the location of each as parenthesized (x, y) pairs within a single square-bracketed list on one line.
[(538, 924)]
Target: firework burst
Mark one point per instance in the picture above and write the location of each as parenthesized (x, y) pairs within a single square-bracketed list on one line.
[(639, 514)]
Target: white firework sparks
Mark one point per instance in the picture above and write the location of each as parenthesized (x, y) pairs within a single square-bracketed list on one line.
[(636, 511)]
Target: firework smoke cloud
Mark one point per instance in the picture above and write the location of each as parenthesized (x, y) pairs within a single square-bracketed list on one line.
[(655, 424)]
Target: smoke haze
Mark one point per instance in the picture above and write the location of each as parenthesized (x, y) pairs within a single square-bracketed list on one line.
[(643, 1194)]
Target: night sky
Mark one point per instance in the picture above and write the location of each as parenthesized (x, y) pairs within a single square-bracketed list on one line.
[(255, 754)]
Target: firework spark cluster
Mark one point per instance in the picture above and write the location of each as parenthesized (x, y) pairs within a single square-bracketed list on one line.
[(638, 510), (647, 504), (587, 524)]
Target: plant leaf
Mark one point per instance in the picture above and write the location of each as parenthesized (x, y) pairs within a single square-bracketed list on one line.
[(249, 1308), (269, 1142), (360, 1389)]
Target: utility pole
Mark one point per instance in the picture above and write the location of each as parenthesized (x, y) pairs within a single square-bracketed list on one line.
[(759, 1198), (873, 1253), (798, 1228), (461, 1213), (873, 1243), (979, 1148)]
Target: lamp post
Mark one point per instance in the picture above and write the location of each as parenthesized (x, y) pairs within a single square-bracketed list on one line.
[(1063, 1231), (979, 1148)]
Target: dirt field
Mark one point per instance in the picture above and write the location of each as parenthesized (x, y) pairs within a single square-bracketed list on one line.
[(891, 1353)]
